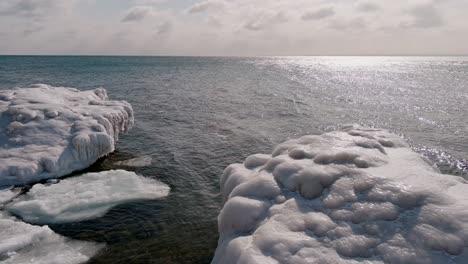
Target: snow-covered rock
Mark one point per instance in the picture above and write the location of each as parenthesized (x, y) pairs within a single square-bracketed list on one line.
[(136, 162), (49, 132), (352, 196), (24, 243), (84, 197)]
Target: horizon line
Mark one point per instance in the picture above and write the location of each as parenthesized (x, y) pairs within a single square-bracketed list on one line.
[(236, 56)]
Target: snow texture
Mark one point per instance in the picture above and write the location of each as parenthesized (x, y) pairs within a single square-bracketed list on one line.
[(136, 162), (49, 132), (85, 197), (351, 196), (24, 243), (6, 196)]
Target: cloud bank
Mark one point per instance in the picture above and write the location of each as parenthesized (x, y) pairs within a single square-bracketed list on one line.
[(226, 27)]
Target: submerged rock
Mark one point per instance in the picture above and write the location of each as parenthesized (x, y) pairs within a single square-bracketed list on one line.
[(48, 132), (84, 197), (136, 162), (352, 196)]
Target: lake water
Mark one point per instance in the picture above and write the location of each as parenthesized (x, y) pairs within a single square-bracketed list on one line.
[(197, 115)]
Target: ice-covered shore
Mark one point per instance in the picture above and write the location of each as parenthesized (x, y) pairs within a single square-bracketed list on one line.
[(352, 196), (48, 132)]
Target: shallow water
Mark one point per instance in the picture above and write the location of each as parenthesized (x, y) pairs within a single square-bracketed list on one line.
[(195, 116)]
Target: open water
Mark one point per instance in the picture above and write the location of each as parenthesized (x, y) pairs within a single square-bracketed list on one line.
[(197, 115)]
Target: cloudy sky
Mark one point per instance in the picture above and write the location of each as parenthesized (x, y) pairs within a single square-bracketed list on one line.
[(234, 27)]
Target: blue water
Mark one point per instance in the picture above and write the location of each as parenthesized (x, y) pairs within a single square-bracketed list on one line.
[(197, 115)]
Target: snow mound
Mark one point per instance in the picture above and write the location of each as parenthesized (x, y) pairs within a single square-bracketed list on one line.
[(24, 243), (49, 132), (351, 196), (84, 197), (136, 162)]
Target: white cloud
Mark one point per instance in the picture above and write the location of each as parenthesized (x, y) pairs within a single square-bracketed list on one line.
[(206, 5), (318, 14), (137, 13), (353, 24), (265, 20), (368, 7), (241, 27), (163, 28), (426, 16), (148, 2), (33, 8)]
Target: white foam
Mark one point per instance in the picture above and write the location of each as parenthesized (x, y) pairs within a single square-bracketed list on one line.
[(136, 162), (48, 132), (84, 197), (24, 243), (352, 196)]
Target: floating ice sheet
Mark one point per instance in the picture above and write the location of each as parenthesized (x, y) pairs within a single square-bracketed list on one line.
[(48, 132), (25, 243), (84, 197), (136, 162), (352, 196)]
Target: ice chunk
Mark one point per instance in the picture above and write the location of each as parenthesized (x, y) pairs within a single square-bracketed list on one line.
[(136, 162), (24, 243), (7, 195), (49, 132), (84, 197), (351, 196)]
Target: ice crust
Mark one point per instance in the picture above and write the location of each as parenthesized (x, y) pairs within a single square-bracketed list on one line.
[(24, 243), (49, 132), (6, 196), (352, 196), (85, 197)]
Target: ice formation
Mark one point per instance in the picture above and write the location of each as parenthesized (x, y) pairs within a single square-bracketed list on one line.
[(136, 162), (48, 132), (6, 196), (84, 197), (351, 196), (24, 243)]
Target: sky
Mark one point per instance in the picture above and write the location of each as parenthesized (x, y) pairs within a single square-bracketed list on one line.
[(234, 27)]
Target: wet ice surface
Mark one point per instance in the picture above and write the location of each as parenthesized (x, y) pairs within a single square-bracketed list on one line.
[(24, 243), (84, 197), (342, 197), (49, 132)]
